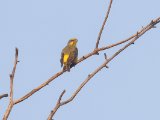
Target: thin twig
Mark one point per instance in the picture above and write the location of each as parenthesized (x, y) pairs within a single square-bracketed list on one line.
[(3, 95), (94, 52), (104, 22), (11, 102), (56, 107), (59, 103)]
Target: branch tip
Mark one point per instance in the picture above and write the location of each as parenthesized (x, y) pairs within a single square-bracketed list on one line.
[(16, 51), (60, 97), (104, 22), (4, 95)]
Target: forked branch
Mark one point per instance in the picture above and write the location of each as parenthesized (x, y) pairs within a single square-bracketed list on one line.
[(57, 106), (94, 52), (129, 41), (11, 102), (104, 22), (61, 103)]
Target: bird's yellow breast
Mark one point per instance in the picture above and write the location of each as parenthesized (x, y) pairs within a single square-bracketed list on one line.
[(65, 58)]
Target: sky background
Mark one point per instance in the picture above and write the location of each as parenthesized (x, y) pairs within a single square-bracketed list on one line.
[(128, 90)]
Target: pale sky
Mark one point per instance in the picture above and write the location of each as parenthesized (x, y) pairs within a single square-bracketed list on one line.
[(128, 90)]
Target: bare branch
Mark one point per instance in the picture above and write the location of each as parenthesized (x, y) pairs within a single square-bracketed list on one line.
[(3, 95), (59, 103), (104, 22), (83, 84), (60, 97), (11, 87), (11, 102), (94, 52), (56, 107), (39, 87), (140, 32)]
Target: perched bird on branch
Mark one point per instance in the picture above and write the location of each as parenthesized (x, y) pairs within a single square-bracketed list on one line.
[(69, 55)]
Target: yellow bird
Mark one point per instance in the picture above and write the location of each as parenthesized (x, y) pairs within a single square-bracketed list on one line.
[(69, 55)]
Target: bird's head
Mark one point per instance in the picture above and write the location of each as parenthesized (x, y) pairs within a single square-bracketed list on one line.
[(72, 42)]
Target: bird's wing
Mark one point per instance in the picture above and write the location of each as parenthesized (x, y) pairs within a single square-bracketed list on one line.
[(73, 55), (76, 53)]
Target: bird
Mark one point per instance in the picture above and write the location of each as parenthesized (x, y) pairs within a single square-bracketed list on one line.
[(69, 55)]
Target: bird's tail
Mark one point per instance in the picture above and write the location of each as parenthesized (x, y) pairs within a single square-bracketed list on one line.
[(66, 67)]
